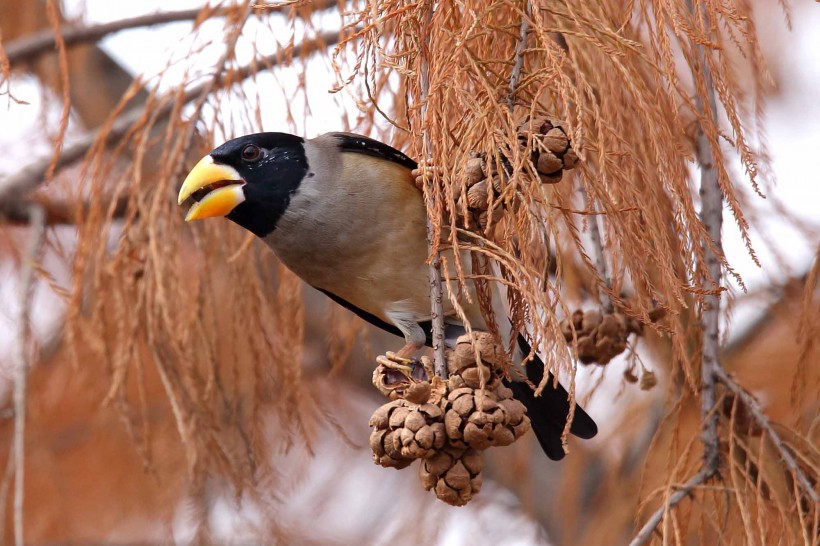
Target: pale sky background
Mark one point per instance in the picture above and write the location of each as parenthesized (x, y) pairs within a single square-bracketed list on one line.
[(793, 131)]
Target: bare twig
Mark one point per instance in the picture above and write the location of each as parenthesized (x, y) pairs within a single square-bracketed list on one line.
[(15, 187), (515, 75), (57, 212), (22, 363), (600, 259), (762, 420), (711, 215), (674, 499), (32, 46), (434, 270)]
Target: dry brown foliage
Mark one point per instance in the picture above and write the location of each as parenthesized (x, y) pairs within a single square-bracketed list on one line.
[(200, 317)]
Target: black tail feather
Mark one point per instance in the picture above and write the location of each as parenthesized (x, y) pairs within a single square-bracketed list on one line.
[(548, 413)]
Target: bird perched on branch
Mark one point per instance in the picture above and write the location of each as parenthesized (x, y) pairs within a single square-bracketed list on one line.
[(343, 213)]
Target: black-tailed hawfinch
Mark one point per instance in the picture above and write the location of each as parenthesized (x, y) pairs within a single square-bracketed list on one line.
[(342, 212)]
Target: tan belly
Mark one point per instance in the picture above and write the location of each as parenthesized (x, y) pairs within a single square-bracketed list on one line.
[(364, 241)]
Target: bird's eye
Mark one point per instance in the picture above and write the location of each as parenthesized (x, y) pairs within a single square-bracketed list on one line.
[(251, 153)]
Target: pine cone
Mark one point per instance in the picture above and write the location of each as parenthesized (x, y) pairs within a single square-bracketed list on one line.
[(482, 418), (552, 152), (454, 474), (414, 431), (484, 178), (395, 385), (466, 372), (600, 337)]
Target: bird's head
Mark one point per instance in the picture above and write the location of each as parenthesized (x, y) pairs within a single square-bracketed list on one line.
[(249, 180)]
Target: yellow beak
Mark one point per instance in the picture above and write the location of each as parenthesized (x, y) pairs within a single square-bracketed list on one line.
[(221, 199)]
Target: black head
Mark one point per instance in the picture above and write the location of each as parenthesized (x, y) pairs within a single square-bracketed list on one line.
[(272, 166)]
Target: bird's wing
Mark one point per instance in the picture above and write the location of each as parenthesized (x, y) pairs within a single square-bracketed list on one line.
[(350, 142)]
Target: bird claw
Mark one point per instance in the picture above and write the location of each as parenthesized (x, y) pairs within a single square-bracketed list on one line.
[(423, 172), (395, 362)]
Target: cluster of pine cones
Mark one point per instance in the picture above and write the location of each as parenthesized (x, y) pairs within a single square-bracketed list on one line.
[(447, 424), (551, 154)]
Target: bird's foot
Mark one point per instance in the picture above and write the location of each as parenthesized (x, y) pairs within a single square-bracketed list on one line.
[(424, 172)]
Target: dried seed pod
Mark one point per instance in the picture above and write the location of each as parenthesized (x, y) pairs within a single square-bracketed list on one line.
[(570, 159), (553, 178), (395, 384), (648, 380), (382, 443), (454, 474), (418, 393), (486, 217), (483, 418), (384, 452), (463, 368), (403, 431), (600, 337), (629, 376), (591, 320), (421, 434), (497, 182), (478, 196), (548, 163), (535, 126), (474, 171), (556, 140)]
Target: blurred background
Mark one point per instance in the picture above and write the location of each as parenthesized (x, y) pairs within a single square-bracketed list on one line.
[(110, 425)]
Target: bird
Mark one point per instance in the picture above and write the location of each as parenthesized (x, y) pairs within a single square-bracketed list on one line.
[(342, 211)]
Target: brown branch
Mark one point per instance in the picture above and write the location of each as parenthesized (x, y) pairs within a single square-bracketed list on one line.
[(434, 269), (34, 45), (711, 215), (57, 212), (600, 260), (15, 188), (22, 364), (515, 75), (675, 498), (757, 412)]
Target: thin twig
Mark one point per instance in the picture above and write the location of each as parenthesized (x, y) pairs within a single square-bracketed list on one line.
[(600, 259), (32, 46), (15, 187), (434, 270), (674, 499), (762, 420), (711, 215), (22, 365), (515, 75)]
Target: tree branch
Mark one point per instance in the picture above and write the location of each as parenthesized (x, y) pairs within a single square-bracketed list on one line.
[(30, 47), (22, 363), (15, 188), (515, 75), (674, 499), (57, 212), (711, 215), (434, 270)]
